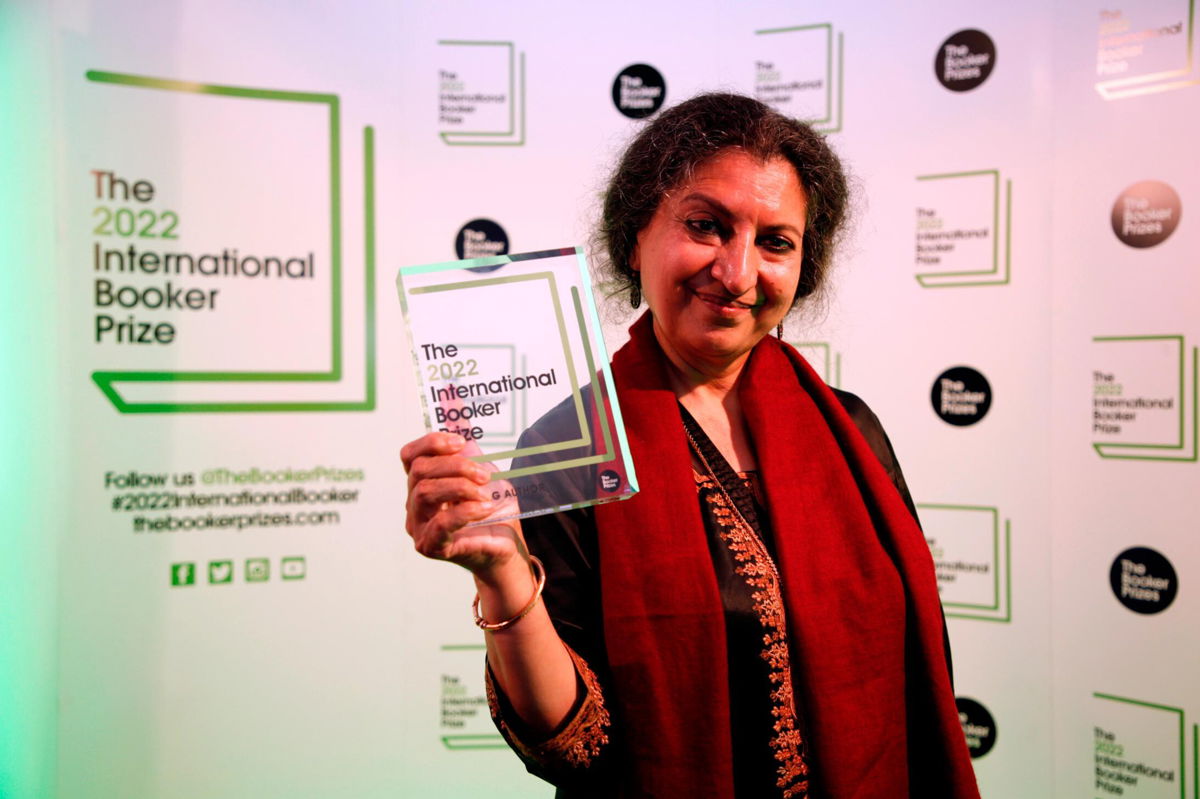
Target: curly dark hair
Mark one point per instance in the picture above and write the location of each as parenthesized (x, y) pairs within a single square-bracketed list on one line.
[(668, 150)]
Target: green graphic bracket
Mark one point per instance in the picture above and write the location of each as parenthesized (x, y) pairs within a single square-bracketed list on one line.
[(486, 138), (1195, 761), (966, 608), (585, 436), (468, 741), (608, 454), (106, 380), (1118, 451), (827, 123), (832, 376), (1158, 82), (1182, 730), (985, 277), (456, 742)]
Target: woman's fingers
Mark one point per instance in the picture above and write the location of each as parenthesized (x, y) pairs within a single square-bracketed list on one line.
[(446, 536), (432, 444), (427, 496), (429, 467), (448, 491)]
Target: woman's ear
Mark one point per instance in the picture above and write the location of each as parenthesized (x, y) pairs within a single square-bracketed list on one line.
[(635, 261)]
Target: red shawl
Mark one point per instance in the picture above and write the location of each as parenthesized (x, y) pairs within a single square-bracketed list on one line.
[(864, 618)]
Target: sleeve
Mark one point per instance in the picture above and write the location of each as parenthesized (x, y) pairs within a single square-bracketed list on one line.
[(578, 755), (872, 430), (578, 752)]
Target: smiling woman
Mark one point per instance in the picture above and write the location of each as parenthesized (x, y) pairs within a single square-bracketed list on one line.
[(721, 258), (762, 619)]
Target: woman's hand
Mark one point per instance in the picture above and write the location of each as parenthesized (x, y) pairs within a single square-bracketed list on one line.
[(447, 491)]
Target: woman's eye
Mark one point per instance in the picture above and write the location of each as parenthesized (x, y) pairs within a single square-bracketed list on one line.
[(703, 225), (777, 244)]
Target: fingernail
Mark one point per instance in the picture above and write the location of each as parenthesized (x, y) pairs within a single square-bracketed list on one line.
[(481, 474)]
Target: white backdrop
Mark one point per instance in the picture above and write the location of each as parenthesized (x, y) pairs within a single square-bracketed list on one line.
[(220, 634)]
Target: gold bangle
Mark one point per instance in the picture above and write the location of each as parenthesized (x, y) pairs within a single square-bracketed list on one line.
[(539, 576)]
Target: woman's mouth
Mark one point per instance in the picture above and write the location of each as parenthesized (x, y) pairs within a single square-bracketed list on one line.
[(723, 303)]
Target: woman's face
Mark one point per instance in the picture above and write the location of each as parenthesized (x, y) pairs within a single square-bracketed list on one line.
[(720, 259)]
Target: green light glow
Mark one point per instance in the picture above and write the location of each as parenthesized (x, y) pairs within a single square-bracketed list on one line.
[(32, 506)]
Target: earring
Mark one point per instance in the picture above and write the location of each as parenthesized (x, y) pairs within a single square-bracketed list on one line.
[(779, 331), (635, 296)]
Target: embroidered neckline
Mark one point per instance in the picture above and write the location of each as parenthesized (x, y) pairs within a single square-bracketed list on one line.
[(757, 568)]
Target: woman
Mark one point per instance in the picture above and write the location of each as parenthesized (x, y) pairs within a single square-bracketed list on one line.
[(762, 618)]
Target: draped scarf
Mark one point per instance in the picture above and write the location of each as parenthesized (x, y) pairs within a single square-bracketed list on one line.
[(864, 618)]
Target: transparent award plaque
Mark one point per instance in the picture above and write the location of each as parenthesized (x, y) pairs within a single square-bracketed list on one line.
[(509, 354)]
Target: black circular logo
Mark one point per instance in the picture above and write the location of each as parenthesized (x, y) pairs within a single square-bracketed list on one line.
[(965, 60), (961, 396), (610, 481), (1143, 580), (978, 726), (481, 238), (639, 91)]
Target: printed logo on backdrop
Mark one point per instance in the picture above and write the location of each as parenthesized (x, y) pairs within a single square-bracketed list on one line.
[(965, 60), (1138, 748), (959, 230), (971, 558), (481, 93), (639, 90), (1146, 48), (823, 359), (1146, 214), (1144, 398), (798, 72), (216, 275), (961, 396), (464, 722), (1143, 580), (978, 726), (481, 238)]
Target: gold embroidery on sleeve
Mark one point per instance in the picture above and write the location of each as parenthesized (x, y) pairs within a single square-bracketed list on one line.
[(577, 744), (757, 568)]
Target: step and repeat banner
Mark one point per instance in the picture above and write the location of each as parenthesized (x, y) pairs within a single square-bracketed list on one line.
[(235, 185)]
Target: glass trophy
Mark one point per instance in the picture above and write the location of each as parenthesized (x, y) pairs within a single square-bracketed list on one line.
[(509, 354)]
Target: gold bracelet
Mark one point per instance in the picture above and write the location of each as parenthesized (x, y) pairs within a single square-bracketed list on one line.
[(539, 576)]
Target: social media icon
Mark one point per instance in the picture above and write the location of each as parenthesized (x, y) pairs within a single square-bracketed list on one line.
[(220, 571), (258, 570), (183, 574), (293, 568)]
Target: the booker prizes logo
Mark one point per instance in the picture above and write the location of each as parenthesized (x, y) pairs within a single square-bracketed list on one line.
[(965, 60), (481, 238), (978, 726), (961, 396), (1143, 580), (1146, 214), (638, 91)]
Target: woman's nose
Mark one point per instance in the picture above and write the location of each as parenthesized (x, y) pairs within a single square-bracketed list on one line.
[(736, 265)]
